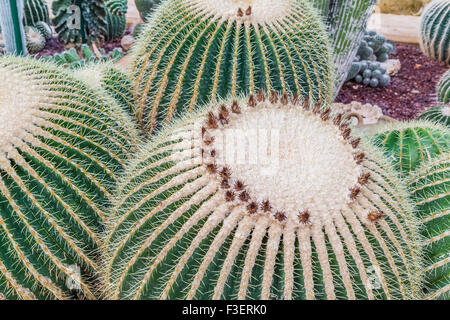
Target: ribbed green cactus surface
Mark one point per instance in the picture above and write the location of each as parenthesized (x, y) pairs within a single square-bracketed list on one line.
[(35, 11), (429, 188), (410, 144), (435, 31), (146, 7), (195, 51), (62, 147), (116, 25), (439, 113), (443, 92), (324, 218)]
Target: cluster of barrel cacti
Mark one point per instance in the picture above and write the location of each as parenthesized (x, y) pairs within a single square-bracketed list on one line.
[(215, 168), (434, 31)]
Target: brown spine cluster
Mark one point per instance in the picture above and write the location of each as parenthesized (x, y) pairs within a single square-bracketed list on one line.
[(237, 190)]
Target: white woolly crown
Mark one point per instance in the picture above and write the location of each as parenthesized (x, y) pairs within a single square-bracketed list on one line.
[(257, 11)]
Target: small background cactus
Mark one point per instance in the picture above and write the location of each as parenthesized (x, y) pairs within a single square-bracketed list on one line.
[(443, 92), (35, 40), (439, 113), (434, 31), (429, 188), (410, 144), (62, 147), (187, 224), (182, 60), (146, 7)]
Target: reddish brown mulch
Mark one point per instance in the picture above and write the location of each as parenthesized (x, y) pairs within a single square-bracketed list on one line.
[(411, 91)]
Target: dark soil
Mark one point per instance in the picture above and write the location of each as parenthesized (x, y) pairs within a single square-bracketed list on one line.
[(53, 46), (411, 91)]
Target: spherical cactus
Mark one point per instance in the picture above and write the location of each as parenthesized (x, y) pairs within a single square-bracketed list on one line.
[(195, 51), (409, 144), (439, 113), (62, 148), (115, 26), (429, 188), (35, 40), (256, 199), (44, 29), (443, 92), (434, 31), (146, 7), (35, 11), (113, 82)]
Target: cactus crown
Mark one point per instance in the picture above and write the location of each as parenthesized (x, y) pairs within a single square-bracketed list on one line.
[(195, 51), (189, 222), (62, 146)]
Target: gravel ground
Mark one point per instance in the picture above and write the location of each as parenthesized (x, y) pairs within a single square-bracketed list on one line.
[(411, 91)]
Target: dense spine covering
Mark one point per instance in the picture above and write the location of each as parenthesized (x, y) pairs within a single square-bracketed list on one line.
[(346, 22), (435, 31), (439, 114), (62, 147), (332, 223), (35, 40), (410, 144), (429, 188), (194, 51), (89, 17), (112, 81), (443, 92), (35, 11)]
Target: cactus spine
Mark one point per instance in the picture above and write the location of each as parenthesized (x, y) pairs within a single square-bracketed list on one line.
[(194, 51), (346, 22), (429, 188), (190, 222), (35, 11), (443, 92), (439, 113), (410, 144), (62, 147), (435, 31), (35, 40)]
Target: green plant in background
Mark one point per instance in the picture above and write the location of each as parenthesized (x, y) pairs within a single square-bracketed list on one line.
[(62, 147), (72, 59), (35, 11), (410, 144), (146, 7), (346, 22), (443, 92), (439, 113), (11, 25), (434, 31), (35, 40), (192, 222), (183, 60), (429, 188), (80, 21)]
